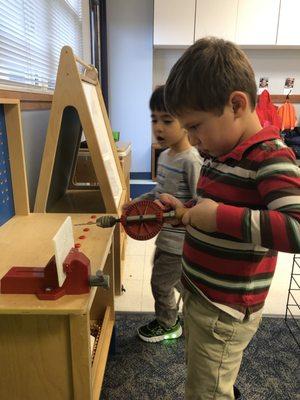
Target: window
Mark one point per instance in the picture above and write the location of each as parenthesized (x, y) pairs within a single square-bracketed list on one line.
[(32, 33)]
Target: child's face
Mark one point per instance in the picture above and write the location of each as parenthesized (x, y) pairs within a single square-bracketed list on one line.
[(213, 135), (166, 129)]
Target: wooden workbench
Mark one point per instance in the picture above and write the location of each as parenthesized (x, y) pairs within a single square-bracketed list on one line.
[(45, 348)]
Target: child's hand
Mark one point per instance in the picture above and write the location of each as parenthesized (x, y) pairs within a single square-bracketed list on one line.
[(167, 201), (126, 205), (202, 216)]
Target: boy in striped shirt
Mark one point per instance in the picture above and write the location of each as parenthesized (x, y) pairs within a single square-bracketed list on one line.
[(249, 209), (178, 170)]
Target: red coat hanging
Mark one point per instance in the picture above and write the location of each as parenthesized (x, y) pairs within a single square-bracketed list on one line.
[(267, 111)]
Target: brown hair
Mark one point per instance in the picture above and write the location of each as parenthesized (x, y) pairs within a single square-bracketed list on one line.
[(205, 76)]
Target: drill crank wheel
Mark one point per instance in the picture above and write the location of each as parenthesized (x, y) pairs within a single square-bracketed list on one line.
[(143, 230)]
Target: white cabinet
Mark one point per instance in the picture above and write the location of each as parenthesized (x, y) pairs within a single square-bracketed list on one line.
[(289, 23), (179, 23), (257, 22), (174, 22), (216, 18)]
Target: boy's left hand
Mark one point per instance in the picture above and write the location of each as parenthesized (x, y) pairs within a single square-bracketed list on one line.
[(202, 216)]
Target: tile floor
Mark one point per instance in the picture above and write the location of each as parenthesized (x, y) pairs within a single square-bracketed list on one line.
[(137, 272)]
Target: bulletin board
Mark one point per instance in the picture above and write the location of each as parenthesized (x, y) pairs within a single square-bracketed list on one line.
[(7, 209)]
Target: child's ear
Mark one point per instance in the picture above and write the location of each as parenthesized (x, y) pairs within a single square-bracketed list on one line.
[(238, 102)]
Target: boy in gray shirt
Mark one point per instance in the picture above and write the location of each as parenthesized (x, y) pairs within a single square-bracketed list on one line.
[(178, 171)]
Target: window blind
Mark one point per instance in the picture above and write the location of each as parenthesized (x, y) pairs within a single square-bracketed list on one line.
[(32, 33)]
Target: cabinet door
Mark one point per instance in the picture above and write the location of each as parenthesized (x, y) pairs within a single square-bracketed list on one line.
[(174, 22), (216, 18), (257, 22), (289, 23)]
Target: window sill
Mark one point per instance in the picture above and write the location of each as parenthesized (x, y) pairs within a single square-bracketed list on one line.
[(29, 100)]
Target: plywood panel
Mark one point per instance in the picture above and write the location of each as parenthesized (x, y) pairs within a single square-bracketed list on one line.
[(35, 358)]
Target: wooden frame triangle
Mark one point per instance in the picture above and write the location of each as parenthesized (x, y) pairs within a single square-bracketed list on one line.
[(80, 94)]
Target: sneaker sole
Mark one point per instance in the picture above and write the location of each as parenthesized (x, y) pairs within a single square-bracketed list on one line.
[(166, 336)]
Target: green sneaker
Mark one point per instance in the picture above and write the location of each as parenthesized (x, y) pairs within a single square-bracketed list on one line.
[(154, 332)]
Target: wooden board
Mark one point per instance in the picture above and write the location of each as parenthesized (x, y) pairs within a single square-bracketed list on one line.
[(63, 242), (103, 142), (14, 134)]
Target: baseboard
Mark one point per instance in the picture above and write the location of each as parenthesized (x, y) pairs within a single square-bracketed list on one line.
[(140, 175), (135, 312), (282, 316), (140, 186)]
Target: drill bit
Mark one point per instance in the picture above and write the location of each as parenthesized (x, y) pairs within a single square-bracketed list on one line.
[(108, 221), (86, 223)]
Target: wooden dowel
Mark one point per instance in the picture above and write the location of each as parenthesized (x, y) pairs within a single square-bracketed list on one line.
[(80, 61)]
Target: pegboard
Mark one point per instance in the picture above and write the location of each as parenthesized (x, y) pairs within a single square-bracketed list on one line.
[(6, 192)]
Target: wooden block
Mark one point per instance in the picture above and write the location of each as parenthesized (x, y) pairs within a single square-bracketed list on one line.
[(63, 242)]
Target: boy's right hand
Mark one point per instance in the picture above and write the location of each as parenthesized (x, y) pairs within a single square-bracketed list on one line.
[(165, 202)]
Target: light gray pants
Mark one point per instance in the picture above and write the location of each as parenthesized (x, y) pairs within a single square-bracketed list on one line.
[(166, 275)]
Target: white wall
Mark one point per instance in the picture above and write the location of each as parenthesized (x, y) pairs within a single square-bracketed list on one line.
[(163, 60), (275, 64), (130, 55)]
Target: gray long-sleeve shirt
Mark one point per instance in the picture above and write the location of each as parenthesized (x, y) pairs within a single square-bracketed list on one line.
[(177, 175)]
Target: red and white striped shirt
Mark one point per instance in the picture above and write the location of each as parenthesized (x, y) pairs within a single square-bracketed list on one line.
[(258, 188)]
